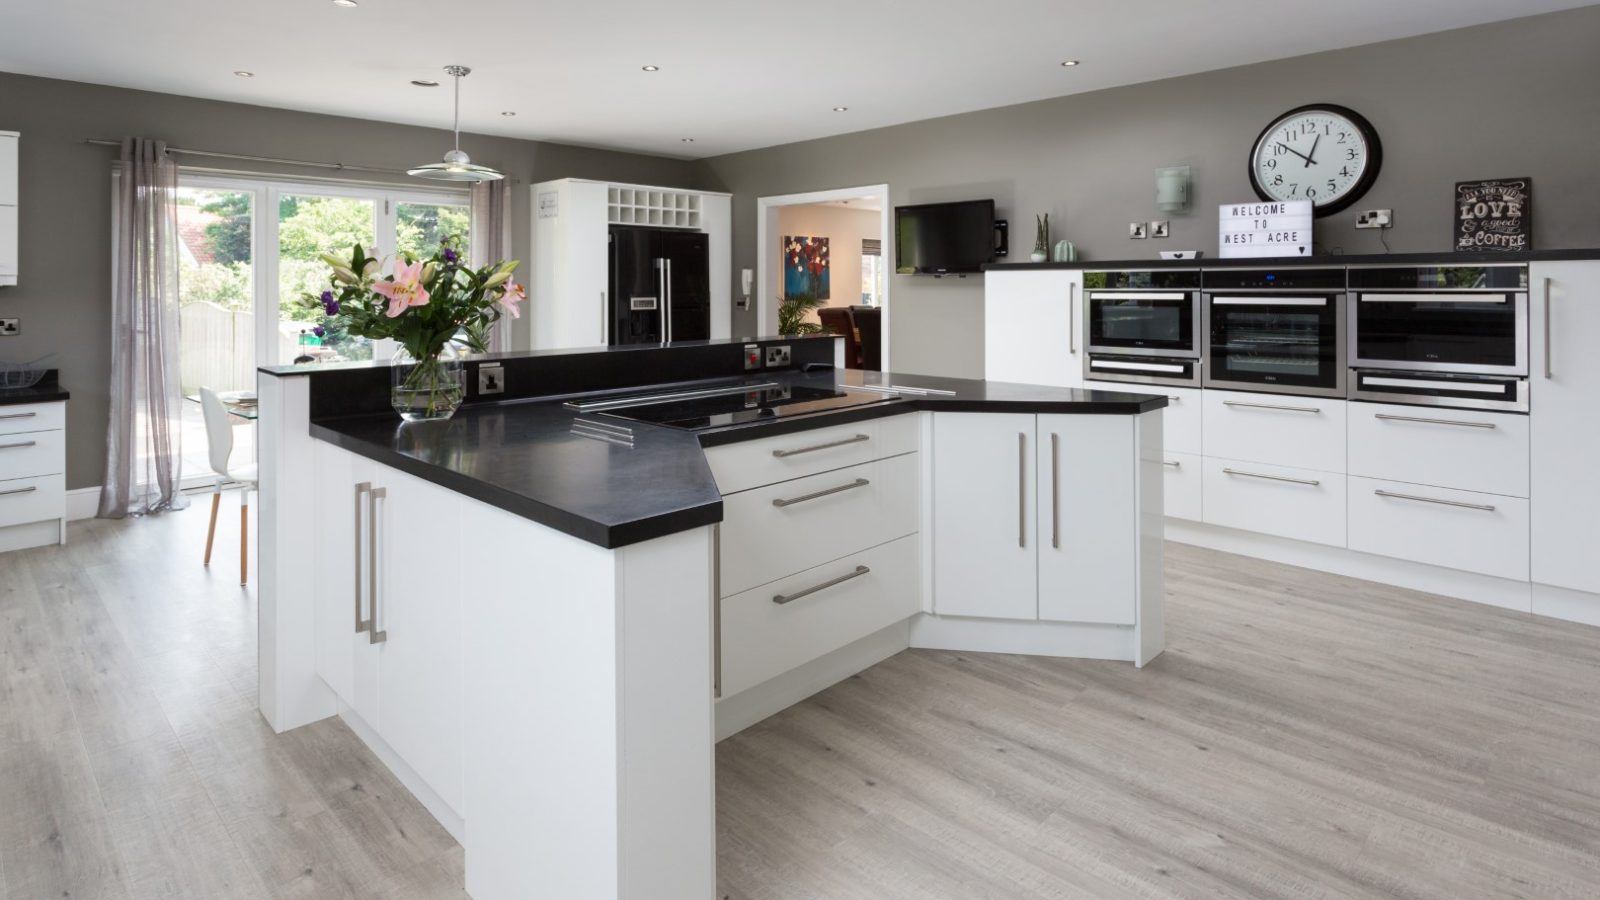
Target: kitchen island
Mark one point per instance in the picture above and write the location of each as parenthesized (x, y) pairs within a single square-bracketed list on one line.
[(543, 613)]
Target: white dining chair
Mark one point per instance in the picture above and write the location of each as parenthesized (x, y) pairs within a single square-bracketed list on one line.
[(219, 437)]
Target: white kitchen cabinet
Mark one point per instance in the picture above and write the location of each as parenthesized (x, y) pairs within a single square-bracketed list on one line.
[(8, 207), (342, 577), (1182, 485), (985, 555), (1303, 504), (1277, 429), (1088, 545), (1181, 430), (1472, 532), (1470, 450), (1033, 326), (1564, 407)]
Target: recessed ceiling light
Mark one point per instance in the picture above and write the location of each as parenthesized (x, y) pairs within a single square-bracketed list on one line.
[(508, 113), (841, 109), (243, 74), (1069, 63), (652, 68), (423, 82), (345, 3)]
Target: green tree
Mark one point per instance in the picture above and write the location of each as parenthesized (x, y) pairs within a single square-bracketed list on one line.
[(421, 227), (229, 235)]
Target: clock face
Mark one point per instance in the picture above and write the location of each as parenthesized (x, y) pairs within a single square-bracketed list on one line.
[(1326, 154)]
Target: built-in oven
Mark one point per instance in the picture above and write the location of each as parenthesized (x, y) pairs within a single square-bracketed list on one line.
[(1275, 330), (1440, 335), (1143, 326)]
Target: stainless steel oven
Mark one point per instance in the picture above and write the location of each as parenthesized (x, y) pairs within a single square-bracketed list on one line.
[(1143, 326), (1440, 335), (1275, 330)]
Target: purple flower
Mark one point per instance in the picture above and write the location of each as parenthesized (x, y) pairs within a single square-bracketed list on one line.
[(450, 256), (319, 331), (329, 304)]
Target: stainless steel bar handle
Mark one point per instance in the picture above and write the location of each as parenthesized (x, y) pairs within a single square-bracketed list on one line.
[(856, 439), (790, 501), (1174, 398), (1022, 489), (781, 599), (1482, 506), (1549, 365), (26, 415), (27, 490), (716, 610), (1309, 481), (1174, 463), (1055, 491), (374, 635), (605, 321), (1304, 409), (661, 296), (1072, 317), (1393, 418), (668, 284), (18, 444), (364, 487)]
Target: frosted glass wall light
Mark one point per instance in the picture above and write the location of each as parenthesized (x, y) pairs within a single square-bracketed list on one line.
[(1172, 188)]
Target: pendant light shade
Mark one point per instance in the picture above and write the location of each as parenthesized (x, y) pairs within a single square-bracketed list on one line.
[(456, 166)]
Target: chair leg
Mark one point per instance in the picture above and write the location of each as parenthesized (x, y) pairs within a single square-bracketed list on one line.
[(244, 538), (211, 530)]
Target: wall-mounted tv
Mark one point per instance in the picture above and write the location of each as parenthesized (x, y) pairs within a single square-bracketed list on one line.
[(944, 238)]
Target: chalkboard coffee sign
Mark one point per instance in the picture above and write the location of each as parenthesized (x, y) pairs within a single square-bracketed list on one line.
[(1494, 215)]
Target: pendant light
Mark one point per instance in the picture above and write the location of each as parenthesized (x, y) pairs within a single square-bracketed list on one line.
[(457, 166)]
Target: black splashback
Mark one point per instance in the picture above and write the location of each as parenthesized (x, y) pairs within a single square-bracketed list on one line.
[(343, 391)]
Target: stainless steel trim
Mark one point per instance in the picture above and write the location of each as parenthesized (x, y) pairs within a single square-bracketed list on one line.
[(1476, 296), (1517, 297), (1270, 301), (604, 437), (610, 427), (647, 399), (1309, 481), (1055, 490), (361, 488), (1388, 417), (374, 634), (1072, 317), (27, 490), (1517, 402), (896, 389), (781, 599), (1483, 506), (605, 321), (18, 444), (1139, 295), (782, 502), (1304, 409), (856, 439), (26, 415), (1468, 386), (668, 284), (1191, 308), (1549, 365), (1022, 489), (1133, 366), (716, 610), (1216, 378), (1174, 463)]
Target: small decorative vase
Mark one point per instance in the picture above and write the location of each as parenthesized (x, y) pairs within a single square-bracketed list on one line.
[(427, 389), (1066, 252), (1038, 256)]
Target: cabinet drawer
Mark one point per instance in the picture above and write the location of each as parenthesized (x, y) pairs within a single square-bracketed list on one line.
[(26, 454), (739, 467), (1283, 430), (1294, 503), (762, 637), (774, 531), (1463, 449), (1180, 424), (32, 417), (1483, 533), (24, 500), (1181, 487)]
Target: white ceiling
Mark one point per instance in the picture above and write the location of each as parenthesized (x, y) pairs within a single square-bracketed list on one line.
[(735, 74)]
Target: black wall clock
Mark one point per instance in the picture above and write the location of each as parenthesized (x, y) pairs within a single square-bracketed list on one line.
[(1324, 153)]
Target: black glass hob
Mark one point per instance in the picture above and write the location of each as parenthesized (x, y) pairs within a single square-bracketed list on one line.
[(737, 405)]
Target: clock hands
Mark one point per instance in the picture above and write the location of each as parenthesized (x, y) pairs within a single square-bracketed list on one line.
[(1297, 152), (1311, 155)]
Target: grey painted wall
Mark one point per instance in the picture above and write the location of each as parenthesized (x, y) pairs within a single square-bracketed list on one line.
[(63, 295), (1509, 99)]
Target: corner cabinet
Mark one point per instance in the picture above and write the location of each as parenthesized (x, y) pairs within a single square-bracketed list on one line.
[(1033, 326), (8, 207)]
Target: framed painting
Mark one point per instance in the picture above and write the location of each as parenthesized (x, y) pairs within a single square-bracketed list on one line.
[(805, 267)]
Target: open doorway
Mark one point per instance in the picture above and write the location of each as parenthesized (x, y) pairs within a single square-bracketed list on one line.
[(829, 246)]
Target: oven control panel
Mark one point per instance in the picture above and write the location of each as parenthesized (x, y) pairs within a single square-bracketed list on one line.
[(1293, 279)]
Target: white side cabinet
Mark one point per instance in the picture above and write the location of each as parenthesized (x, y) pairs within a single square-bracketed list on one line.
[(1564, 402), (8, 207), (1033, 326), (985, 537), (33, 491)]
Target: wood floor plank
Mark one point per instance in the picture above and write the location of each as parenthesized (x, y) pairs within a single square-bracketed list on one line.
[(55, 838)]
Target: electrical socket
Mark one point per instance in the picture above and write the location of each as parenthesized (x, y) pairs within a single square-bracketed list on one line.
[(9, 327), (491, 379), (1136, 231), (1376, 218), (1160, 228), (778, 355)]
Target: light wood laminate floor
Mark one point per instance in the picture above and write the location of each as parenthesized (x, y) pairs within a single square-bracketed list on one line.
[(1303, 736)]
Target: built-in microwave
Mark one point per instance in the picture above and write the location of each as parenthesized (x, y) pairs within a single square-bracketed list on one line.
[(1279, 331), (1143, 326)]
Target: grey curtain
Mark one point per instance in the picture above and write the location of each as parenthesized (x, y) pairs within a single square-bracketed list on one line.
[(144, 439), (489, 240)]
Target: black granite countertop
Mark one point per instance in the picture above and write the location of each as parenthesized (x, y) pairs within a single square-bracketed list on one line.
[(48, 390), (524, 456), (1445, 258)]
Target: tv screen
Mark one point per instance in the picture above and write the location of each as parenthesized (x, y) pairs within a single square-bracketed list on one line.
[(941, 238)]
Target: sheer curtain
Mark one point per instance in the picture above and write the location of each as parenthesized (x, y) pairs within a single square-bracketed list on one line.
[(143, 440), (489, 240)]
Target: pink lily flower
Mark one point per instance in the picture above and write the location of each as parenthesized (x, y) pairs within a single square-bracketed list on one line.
[(405, 290), (510, 296)]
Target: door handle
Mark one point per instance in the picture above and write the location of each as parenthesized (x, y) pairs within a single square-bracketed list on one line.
[(1055, 491), (1479, 506), (27, 490), (666, 285), (1387, 417), (374, 635), (23, 415), (781, 454), (1307, 481), (1022, 489), (1072, 317), (781, 599), (18, 445), (605, 321), (364, 487), (716, 610), (1304, 409), (781, 502), (1549, 365)]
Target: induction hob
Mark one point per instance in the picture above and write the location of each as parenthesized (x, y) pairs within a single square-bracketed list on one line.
[(719, 407)]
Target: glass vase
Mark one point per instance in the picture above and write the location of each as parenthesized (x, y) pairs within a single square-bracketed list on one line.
[(425, 389)]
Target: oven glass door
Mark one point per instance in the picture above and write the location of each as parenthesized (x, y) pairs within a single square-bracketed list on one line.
[(1142, 323), (1451, 332), (1278, 341)]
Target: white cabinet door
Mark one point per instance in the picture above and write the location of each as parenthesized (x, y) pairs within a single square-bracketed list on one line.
[(8, 242), (341, 577), (8, 170), (985, 555), (419, 614), (1565, 427), (1088, 528), (1277, 429), (1033, 327)]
